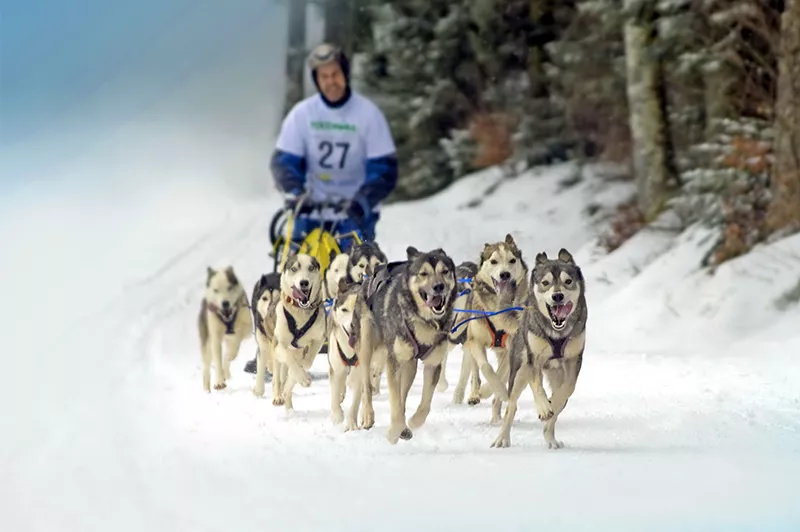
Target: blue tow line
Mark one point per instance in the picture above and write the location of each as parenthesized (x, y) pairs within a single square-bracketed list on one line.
[(481, 314)]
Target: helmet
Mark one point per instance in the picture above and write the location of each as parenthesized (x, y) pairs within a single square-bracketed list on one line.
[(326, 53)]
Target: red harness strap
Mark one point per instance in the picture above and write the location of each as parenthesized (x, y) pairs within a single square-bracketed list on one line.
[(499, 336)]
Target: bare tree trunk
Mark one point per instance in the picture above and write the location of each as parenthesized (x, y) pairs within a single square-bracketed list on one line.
[(646, 105), (338, 24), (295, 54), (784, 210)]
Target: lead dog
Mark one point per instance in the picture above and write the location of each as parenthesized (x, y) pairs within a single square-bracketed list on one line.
[(501, 283), (550, 342), (405, 316)]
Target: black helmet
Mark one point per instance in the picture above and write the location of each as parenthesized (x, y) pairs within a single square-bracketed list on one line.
[(326, 53)]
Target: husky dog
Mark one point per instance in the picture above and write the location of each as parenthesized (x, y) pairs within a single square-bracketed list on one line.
[(299, 326), (346, 368), (405, 316), (501, 283), (550, 342), (266, 295), (465, 272), (353, 266), (364, 258), (338, 269), (221, 320)]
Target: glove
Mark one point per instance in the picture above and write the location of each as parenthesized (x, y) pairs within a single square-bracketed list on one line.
[(290, 202), (355, 211)]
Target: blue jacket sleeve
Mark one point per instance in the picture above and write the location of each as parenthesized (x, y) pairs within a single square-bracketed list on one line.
[(381, 181), (289, 171)]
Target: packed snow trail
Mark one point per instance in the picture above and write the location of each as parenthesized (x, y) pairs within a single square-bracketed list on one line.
[(688, 440)]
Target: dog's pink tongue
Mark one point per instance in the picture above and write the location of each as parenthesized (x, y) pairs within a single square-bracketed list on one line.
[(298, 294), (562, 311)]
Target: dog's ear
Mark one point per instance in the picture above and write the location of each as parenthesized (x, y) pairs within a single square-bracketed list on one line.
[(231, 275), (485, 253), (565, 256), (540, 258), (209, 274), (331, 256), (510, 240), (263, 281), (411, 252)]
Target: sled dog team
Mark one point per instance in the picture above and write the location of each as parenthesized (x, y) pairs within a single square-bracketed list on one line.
[(379, 316)]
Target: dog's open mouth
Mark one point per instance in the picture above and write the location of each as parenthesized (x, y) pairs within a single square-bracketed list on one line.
[(351, 337), (436, 302), (302, 296), (559, 314)]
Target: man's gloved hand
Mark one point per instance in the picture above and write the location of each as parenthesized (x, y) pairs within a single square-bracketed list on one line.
[(355, 211), (290, 202)]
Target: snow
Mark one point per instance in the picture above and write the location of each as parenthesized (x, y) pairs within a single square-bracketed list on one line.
[(685, 416)]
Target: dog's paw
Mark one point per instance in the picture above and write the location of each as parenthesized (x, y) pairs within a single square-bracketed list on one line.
[(544, 410), (305, 381), (394, 432), (337, 414), (472, 401), (406, 434), (278, 401), (350, 424), (554, 444), (220, 385), (503, 440), (367, 418), (258, 391)]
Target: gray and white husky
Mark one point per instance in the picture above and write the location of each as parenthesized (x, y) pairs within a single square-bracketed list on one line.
[(405, 316), (550, 343), (224, 318)]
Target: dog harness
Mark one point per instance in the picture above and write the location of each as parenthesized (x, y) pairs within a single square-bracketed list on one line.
[(292, 323), (557, 345), (421, 351), (499, 336), (228, 323), (352, 362)]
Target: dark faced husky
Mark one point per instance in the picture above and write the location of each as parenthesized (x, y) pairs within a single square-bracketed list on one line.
[(223, 318), (361, 261), (550, 342), (299, 326), (266, 295), (405, 317), (501, 283)]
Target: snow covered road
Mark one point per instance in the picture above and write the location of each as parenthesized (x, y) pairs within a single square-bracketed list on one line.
[(125, 439)]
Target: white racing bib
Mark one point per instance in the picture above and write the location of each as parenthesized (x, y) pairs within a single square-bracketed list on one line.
[(336, 143)]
